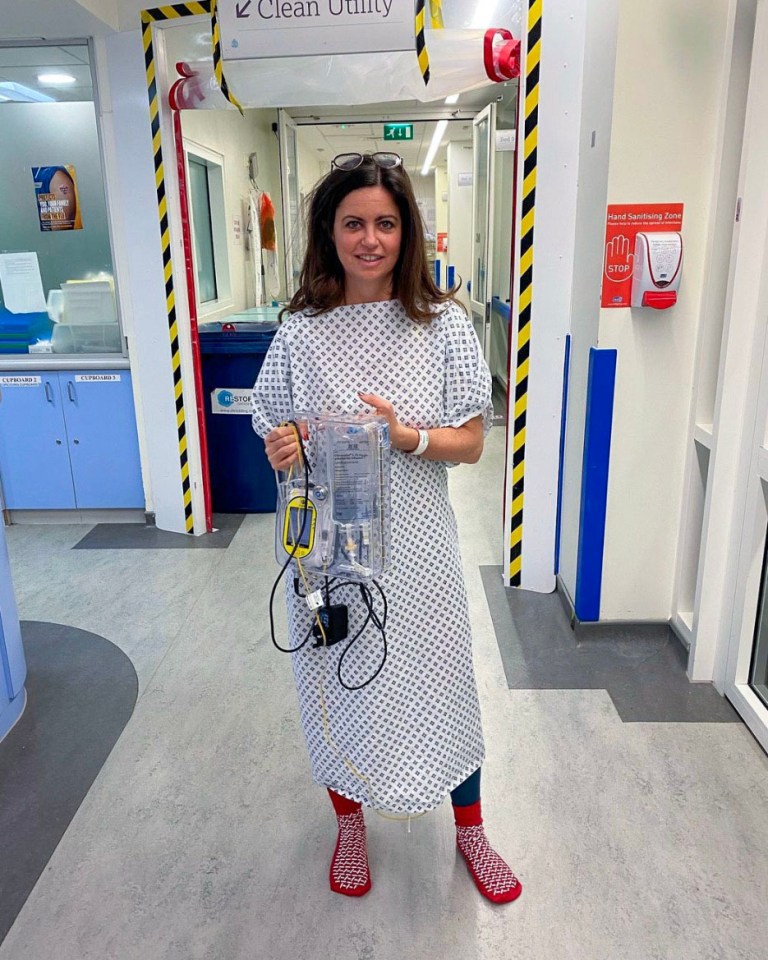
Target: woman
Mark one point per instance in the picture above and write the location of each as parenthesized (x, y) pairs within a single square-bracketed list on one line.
[(368, 328)]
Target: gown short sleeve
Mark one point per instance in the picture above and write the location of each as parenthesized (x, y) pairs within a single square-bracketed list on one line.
[(272, 401), (467, 385)]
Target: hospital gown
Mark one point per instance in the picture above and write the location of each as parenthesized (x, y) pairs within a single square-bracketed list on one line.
[(414, 733)]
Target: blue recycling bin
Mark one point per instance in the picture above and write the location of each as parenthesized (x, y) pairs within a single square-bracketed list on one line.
[(232, 352)]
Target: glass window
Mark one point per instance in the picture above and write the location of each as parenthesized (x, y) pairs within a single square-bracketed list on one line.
[(202, 224), (207, 213), (57, 291)]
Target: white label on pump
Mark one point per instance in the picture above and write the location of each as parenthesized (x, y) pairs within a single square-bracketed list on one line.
[(231, 400), (20, 381), (97, 377), (664, 253), (315, 600)]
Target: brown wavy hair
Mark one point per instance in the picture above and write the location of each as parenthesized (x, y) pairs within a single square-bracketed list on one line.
[(321, 282)]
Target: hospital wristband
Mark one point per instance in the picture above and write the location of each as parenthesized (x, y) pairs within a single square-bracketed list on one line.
[(423, 444)]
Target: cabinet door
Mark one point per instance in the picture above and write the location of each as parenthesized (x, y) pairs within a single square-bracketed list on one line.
[(103, 443), (34, 459)]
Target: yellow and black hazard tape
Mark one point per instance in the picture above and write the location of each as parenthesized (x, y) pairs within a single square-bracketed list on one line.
[(527, 223), (421, 43), (218, 66), (148, 17)]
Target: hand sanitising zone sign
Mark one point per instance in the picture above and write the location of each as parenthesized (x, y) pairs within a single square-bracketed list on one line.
[(623, 223), (251, 29)]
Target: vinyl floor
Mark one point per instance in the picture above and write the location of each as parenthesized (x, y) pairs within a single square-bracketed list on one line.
[(203, 836)]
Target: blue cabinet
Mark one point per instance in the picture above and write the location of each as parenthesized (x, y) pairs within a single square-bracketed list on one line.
[(68, 439), (34, 451)]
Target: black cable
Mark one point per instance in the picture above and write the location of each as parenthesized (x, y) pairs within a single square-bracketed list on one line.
[(380, 624), (296, 545)]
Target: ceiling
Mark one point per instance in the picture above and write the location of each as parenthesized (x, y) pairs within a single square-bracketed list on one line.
[(330, 139), (23, 64), (330, 131)]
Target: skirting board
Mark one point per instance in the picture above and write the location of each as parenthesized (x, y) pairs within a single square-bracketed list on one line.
[(641, 629)]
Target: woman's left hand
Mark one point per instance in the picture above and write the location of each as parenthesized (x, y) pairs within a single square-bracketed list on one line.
[(400, 436)]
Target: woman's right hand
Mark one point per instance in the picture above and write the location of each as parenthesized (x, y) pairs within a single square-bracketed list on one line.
[(282, 448)]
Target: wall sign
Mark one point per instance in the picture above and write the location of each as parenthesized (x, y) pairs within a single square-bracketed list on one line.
[(58, 205), (466, 179), (624, 222), (97, 378), (231, 400), (297, 28), (398, 131)]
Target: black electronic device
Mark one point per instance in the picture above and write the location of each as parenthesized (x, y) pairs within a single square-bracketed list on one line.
[(335, 621)]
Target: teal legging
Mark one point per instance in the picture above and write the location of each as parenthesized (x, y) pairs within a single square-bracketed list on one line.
[(468, 792)]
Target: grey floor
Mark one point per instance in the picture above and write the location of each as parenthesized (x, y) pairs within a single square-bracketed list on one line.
[(203, 836)]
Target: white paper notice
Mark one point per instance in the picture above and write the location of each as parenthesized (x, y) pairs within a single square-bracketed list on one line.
[(21, 283)]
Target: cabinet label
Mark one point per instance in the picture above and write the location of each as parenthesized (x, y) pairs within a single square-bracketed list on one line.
[(231, 400), (20, 381), (97, 378)]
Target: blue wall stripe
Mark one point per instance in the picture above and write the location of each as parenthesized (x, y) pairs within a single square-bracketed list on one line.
[(594, 482), (451, 273), (437, 273), (563, 418)]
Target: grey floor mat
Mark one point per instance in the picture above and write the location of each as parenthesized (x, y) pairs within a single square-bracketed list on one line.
[(644, 677), (81, 691)]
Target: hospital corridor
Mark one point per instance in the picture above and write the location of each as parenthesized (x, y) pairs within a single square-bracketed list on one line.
[(384, 480)]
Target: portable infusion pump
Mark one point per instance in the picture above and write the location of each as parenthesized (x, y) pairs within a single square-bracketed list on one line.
[(335, 520)]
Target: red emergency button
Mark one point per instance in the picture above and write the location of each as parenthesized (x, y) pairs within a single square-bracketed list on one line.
[(660, 299)]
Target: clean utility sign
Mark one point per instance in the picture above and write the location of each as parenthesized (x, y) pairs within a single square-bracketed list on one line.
[(300, 28)]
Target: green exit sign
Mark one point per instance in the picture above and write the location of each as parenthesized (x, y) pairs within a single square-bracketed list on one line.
[(398, 131)]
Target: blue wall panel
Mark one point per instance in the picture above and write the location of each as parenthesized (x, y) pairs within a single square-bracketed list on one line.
[(594, 482)]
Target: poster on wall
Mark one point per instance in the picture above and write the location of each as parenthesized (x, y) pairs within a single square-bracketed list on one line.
[(624, 222), (58, 204)]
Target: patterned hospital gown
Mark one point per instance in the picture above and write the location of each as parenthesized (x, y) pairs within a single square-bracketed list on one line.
[(414, 733)]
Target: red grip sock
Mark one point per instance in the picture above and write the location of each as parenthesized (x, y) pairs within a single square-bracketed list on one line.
[(493, 878), (350, 874)]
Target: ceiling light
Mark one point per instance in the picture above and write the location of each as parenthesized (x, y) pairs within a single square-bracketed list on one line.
[(437, 136), (454, 98), (21, 94), (55, 78)]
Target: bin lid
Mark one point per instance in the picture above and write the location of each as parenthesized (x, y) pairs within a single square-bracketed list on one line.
[(251, 338)]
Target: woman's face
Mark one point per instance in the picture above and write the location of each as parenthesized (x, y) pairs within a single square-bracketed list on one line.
[(367, 232), (63, 190)]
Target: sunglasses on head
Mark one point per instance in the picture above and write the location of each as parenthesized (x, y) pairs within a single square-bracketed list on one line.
[(351, 161)]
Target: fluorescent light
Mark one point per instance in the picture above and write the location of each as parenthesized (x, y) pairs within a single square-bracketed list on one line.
[(21, 94), (437, 136), (55, 78), (454, 98)]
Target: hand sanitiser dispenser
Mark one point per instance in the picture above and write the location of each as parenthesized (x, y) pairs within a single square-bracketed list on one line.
[(657, 270), (335, 519)]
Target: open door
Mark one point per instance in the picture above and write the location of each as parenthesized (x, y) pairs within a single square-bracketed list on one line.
[(292, 219), (483, 128)]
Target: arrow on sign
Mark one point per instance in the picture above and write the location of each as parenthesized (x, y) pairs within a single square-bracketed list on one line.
[(240, 10)]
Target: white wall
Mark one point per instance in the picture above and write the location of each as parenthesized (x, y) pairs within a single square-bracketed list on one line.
[(235, 138), (590, 165), (668, 77), (460, 216)]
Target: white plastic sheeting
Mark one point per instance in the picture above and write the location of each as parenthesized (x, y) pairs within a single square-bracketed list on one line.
[(457, 64)]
